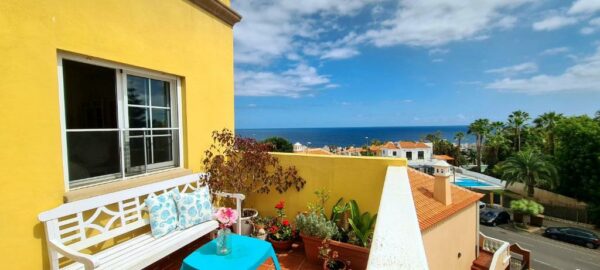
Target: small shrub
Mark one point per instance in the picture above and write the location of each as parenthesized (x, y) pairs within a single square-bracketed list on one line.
[(528, 207), (316, 225)]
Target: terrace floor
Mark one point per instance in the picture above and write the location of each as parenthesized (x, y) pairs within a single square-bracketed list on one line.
[(291, 260)]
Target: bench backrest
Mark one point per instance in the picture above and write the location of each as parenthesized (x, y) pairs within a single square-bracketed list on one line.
[(88, 222)]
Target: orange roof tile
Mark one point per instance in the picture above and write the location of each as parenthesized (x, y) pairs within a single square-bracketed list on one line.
[(389, 145), (429, 210), (412, 145), (443, 157)]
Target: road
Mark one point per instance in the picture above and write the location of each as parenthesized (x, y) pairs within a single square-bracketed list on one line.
[(548, 253)]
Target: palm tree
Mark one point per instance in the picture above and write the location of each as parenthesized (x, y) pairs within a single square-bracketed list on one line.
[(496, 142), (459, 136), (528, 167), (517, 121), (481, 128), (547, 122)]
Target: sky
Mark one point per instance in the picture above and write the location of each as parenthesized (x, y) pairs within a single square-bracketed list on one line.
[(363, 63)]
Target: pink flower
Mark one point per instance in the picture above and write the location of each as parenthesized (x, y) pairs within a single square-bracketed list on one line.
[(226, 216)]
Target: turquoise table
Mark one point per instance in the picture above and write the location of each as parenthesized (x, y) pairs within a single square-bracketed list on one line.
[(247, 253)]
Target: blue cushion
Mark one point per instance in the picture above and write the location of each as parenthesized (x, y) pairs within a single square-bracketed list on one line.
[(163, 213), (193, 208)]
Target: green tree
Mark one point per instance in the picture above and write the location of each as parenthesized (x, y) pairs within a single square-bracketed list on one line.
[(458, 137), (279, 144), (597, 116), (480, 128), (528, 167), (517, 120), (376, 142), (547, 123)]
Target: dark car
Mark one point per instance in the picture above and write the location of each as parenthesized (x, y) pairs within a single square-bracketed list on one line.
[(493, 217), (573, 235)]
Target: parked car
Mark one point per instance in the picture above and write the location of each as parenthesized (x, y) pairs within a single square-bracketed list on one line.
[(493, 216), (573, 235)]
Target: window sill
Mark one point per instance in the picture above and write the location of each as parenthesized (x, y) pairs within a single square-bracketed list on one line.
[(88, 192)]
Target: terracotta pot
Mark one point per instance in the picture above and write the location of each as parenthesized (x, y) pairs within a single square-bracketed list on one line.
[(280, 245), (536, 220), (358, 256), (311, 248), (341, 265)]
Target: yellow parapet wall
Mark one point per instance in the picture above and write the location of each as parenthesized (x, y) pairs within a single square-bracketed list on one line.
[(358, 178), (175, 37)]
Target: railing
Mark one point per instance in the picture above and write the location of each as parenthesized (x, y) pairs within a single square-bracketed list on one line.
[(524, 262), (499, 248)]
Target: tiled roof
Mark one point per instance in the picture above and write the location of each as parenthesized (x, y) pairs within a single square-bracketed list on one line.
[(443, 157), (413, 145), (389, 145), (429, 210)]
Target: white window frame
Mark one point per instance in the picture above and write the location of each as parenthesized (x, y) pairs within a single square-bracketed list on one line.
[(122, 112)]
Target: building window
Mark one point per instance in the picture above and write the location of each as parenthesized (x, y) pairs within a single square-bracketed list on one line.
[(394, 153), (118, 121), (409, 155), (421, 155)]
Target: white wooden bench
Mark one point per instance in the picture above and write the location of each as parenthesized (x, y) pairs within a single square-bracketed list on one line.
[(74, 228)]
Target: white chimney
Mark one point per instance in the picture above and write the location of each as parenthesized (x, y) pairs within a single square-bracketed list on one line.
[(441, 188)]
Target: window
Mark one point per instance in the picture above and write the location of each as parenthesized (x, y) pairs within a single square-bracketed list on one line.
[(118, 121), (421, 155), (409, 155), (394, 153)]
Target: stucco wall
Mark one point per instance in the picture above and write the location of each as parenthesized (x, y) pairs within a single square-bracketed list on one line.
[(445, 240), (175, 37), (358, 178)]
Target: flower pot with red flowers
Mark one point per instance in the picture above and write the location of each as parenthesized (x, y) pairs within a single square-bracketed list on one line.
[(280, 232), (331, 258)]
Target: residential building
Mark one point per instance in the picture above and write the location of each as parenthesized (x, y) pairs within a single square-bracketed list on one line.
[(102, 96), (115, 95)]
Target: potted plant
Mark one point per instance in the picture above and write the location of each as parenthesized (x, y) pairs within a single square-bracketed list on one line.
[(280, 233), (259, 227), (523, 207), (243, 165), (331, 258), (357, 236), (314, 227)]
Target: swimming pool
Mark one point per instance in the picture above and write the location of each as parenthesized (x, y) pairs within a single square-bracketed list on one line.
[(468, 182)]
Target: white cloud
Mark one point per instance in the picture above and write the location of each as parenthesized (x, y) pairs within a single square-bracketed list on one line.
[(340, 53), (438, 51), (553, 23), (585, 7), (555, 51), (587, 31), (296, 82), (523, 68), (582, 76), (438, 22), (594, 25), (507, 22), (269, 28)]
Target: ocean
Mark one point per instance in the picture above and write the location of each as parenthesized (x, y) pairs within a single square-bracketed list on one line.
[(356, 136)]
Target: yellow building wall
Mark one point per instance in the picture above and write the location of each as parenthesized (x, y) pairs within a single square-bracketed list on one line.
[(358, 178), (175, 37), (457, 234)]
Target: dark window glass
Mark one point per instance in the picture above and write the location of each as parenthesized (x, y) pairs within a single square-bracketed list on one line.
[(138, 117), (90, 96), (160, 93), (93, 154), (163, 149), (421, 155), (160, 118), (137, 90), (409, 155)]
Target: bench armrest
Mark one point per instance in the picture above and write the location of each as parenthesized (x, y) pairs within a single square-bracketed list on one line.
[(87, 260), (238, 206)]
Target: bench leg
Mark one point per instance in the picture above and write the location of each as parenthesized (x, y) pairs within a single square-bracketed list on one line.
[(275, 261)]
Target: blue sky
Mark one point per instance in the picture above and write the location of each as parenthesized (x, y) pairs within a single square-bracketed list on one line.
[(361, 63)]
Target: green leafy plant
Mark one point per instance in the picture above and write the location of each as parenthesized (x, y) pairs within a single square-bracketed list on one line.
[(528, 207), (319, 206), (362, 225), (316, 225)]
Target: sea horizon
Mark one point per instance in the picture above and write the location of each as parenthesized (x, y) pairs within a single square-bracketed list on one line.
[(353, 136)]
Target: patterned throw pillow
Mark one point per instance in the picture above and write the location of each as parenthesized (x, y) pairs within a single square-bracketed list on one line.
[(163, 213), (194, 208)]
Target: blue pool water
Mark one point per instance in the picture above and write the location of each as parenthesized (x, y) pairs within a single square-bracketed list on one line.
[(467, 182)]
